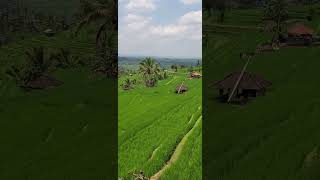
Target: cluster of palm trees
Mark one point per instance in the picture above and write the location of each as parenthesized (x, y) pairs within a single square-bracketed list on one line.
[(151, 71), (39, 62), (25, 20)]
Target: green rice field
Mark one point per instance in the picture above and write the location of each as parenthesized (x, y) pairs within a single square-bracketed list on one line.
[(66, 132), (156, 125), (273, 137)]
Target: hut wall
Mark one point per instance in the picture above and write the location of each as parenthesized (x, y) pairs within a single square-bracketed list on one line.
[(297, 41), (221, 92), (249, 93)]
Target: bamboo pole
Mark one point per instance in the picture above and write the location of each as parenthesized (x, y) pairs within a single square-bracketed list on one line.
[(239, 79), (180, 86)]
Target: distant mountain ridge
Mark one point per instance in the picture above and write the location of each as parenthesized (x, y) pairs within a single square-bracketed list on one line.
[(164, 61)]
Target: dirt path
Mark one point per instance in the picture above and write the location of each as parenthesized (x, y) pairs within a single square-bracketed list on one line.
[(177, 151)]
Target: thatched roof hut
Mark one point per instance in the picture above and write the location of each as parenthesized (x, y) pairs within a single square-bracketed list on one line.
[(181, 89), (42, 82), (300, 35), (49, 32), (300, 30), (249, 85), (247, 81), (195, 75)]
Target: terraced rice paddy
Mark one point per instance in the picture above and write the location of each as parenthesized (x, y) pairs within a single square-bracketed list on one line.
[(157, 126), (274, 136), (59, 133)]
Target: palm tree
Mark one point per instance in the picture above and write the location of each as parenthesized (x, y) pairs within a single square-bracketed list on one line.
[(65, 59), (127, 84), (99, 10), (276, 11), (104, 11), (150, 71), (37, 65), (37, 62), (174, 67)]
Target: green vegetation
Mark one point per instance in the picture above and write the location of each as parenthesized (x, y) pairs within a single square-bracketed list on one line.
[(272, 137), (150, 71), (157, 126), (61, 131)]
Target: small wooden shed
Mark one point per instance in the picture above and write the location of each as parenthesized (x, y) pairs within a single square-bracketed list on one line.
[(195, 75), (300, 30), (249, 85), (49, 32), (181, 89), (300, 34)]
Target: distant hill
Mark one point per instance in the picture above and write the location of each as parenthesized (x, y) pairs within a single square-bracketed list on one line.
[(165, 62)]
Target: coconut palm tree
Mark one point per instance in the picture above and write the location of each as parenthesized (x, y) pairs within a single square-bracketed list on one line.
[(174, 67), (37, 64), (37, 61), (150, 71), (65, 59), (127, 84), (105, 11), (276, 11)]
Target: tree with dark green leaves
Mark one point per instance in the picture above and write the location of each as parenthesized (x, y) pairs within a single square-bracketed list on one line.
[(105, 14), (65, 59), (104, 11), (276, 11), (174, 67), (127, 84), (218, 6), (38, 63), (150, 71)]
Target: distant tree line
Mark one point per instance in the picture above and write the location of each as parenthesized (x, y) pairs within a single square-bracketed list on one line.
[(220, 5), (15, 17)]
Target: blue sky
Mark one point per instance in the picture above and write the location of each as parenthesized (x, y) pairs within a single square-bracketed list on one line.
[(167, 28)]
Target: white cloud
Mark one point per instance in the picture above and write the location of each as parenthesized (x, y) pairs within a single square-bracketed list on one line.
[(139, 34), (141, 5), (193, 17), (189, 26), (168, 30), (188, 2), (136, 22)]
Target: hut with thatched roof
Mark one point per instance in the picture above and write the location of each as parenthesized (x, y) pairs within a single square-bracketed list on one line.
[(49, 32), (181, 89), (42, 82), (299, 34), (195, 75), (243, 86)]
